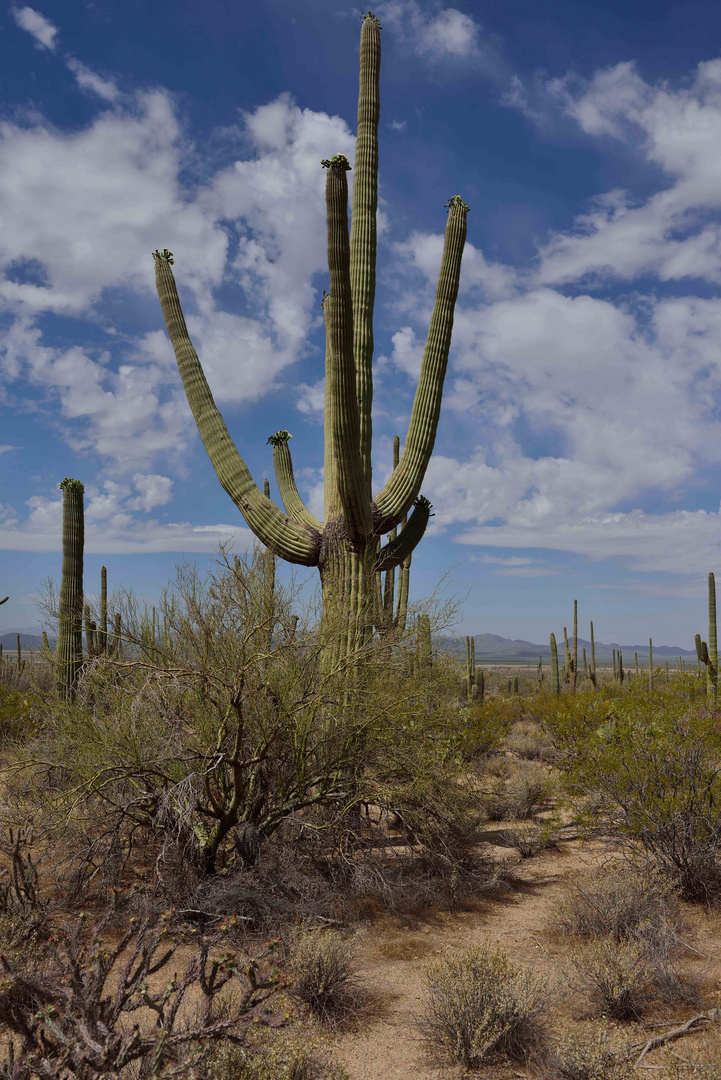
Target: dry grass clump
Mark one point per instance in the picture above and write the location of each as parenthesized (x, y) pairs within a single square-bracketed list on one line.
[(522, 794), (587, 1054), (479, 1006), (325, 976)]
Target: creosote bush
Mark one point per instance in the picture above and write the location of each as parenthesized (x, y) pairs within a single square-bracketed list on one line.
[(479, 1006)]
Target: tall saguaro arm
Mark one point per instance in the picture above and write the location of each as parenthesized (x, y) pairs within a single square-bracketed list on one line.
[(397, 496), (343, 424), (363, 237), (295, 508), (294, 542)]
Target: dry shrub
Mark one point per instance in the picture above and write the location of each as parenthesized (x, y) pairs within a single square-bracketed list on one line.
[(618, 978), (587, 1055), (522, 795), (530, 838), (619, 902), (528, 740), (325, 976), (479, 1006), (273, 1058)]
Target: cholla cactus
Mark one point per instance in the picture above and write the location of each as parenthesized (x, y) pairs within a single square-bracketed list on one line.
[(345, 547)]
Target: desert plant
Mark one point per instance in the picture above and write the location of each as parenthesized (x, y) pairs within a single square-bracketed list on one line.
[(587, 1055), (68, 1010), (478, 1005), (620, 902), (70, 625), (345, 547), (708, 653), (530, 838), (618, 977), (325, 976), (654, 777)]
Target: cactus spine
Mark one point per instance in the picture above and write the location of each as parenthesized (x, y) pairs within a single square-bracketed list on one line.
[(708, 653), (346, 546), (555, 680), (70, 626)]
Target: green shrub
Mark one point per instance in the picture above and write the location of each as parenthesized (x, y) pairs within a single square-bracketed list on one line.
[(478, 1006), (20, 713)]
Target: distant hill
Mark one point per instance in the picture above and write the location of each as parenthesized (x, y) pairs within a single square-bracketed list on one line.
[(27, 641), (491, 647)]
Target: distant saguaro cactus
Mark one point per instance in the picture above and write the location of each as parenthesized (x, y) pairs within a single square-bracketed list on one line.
[(70, 625), (708, 653), (555, 680), (346, 545)]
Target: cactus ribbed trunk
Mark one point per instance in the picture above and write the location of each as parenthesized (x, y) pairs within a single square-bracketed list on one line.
[(70, 626), (345, 547), (555, 680), (574, 655)]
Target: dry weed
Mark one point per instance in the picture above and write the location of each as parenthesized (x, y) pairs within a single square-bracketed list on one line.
[(325, 976)]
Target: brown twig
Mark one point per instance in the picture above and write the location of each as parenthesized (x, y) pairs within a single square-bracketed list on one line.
[(676, 1033)]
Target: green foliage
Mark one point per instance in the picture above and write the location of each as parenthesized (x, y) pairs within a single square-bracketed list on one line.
[(648, 763), (20, 714)]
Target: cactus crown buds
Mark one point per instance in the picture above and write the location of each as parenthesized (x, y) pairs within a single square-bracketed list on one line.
[(422, 501), (338, 161), (72, 485), (164, 254), (457, 201), (368, 15), (279, 438)]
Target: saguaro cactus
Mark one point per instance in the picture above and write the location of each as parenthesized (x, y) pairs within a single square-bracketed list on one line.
[(346, 545), (574, 655), (555, 680), (592, 668), (70, 626), (708, 653)]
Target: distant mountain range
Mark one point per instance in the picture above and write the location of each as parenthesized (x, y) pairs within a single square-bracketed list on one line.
[(492, 647), (489, 647)]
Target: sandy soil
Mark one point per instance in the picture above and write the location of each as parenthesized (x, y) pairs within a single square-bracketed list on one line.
[(392, 953)]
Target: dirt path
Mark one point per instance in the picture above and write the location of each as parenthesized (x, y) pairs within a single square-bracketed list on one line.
[(392, 960)]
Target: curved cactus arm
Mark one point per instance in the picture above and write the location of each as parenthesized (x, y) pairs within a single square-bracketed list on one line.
[(395, 551), (395, 498), (5, 600), (295, 508), (363, 236), (295, 543), (342, 423)]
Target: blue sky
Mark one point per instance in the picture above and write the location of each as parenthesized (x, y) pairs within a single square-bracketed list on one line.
[(579, 443)]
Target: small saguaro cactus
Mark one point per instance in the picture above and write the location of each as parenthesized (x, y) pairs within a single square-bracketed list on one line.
[(70, 621), (568, 664), (650, 663), (345, 547), (708, 652), (592, 668), (620, 667), (555, 680)]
